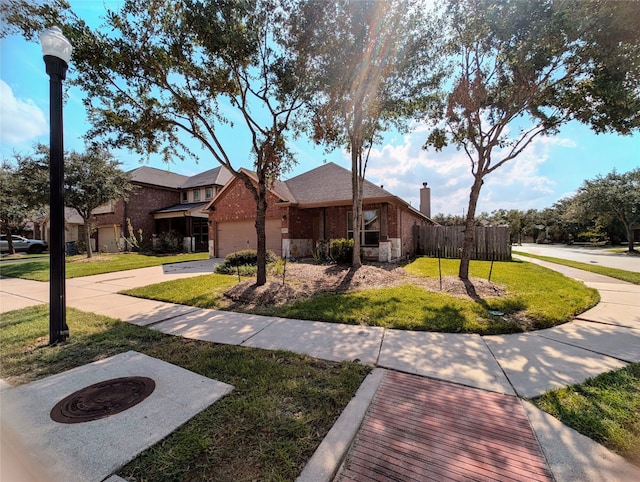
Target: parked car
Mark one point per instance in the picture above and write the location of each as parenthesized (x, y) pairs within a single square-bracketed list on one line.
[(31, 246)]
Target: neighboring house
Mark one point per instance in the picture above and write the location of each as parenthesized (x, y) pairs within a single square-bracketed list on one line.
[(72, 229), (161, 202), (312, 209)]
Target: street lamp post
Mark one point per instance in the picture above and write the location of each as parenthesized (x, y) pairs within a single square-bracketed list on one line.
[(56, 50)]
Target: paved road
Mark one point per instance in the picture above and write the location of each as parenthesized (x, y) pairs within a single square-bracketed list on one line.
[(584, 254)]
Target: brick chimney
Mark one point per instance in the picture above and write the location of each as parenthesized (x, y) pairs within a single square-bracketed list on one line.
[(425, 200)]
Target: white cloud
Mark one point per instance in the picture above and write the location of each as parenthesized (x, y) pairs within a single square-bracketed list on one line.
[(20, 119), (518, 184)]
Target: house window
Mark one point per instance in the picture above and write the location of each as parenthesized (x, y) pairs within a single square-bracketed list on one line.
[(371, 229), (185, 196), (196, 195), (208, 193)]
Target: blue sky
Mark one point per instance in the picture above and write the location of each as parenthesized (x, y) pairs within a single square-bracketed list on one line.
[(550, 169)]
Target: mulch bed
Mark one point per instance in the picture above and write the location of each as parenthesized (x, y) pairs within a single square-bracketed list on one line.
[(305, 279)]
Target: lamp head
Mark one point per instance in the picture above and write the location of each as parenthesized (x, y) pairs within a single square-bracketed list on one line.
[(55, 44)]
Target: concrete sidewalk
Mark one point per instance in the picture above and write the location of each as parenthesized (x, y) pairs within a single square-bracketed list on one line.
[(602, 339)]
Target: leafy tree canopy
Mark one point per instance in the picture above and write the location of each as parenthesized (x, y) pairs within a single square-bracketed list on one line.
[(522, 69), (16, 206), (92, 179), (615, 196), (368, 68), (162, 72)]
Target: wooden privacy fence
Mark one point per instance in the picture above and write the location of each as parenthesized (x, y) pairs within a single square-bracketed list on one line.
[(490, 243)]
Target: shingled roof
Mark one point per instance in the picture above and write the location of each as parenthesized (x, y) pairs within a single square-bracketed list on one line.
[(216, 176), (327, 184), (159, 177)]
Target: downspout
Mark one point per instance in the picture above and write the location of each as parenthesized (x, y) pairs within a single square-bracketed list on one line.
[(124, 223)]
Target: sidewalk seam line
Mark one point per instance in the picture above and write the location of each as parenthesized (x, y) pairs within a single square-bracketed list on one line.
[(384, 332), (154, 323), (259, 331), (585, 349), (501, 369)]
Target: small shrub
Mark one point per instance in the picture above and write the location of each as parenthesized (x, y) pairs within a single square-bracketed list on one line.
[(80, 247), (276, 268), (243, 269), (321, 252), (248, 256), (341, 250), (592, 236), (246, 260), (169, 243), (133, 240)]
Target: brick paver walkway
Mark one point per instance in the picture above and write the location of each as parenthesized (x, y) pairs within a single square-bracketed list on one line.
[(419, 429)]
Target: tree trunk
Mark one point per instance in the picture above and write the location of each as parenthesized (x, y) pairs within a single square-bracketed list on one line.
[(356, 215), (261, 216), (10, 246), (469, 228), (87, 238), (629, 237)]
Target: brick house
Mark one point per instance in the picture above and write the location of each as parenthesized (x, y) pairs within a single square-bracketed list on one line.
[(314, 207), (160, 202)]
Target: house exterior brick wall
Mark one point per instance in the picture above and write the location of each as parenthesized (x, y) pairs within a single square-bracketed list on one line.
[(137, 208), (303, 223), (236, 203), (408, 220)]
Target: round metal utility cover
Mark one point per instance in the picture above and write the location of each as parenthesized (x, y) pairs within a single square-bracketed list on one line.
[(102, 399)]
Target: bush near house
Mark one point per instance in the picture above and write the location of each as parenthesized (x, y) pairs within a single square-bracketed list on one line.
[(341, 250), (168, 243), (245, 260)]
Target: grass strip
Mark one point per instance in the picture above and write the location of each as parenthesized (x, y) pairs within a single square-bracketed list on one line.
[(76, 266), (204, 291), (545, 297), (605, 408), (629, 276), (267, 428)]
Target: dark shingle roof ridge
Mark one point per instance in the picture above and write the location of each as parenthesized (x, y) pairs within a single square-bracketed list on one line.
[(157, 177), (180, 207), (219, 175), (329, 182), (278, 187)]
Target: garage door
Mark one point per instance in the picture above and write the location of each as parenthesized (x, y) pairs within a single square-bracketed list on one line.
[(107, 240), (237, 235)]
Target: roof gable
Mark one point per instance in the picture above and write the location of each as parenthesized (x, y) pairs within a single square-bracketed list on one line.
[(329, 183), (218, 176)]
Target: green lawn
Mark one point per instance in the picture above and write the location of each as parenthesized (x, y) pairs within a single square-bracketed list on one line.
[(629, 276), (546, 298), (605, 408), (76, 266), (284, 403), (267, 428)]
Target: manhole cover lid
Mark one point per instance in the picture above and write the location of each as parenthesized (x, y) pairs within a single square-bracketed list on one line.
[(102, 399)]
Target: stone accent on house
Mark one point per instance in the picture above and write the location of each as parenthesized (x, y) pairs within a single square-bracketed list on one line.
[(298, 248)]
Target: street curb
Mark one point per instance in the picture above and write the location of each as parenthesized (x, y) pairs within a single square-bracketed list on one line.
[(326, 460)]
